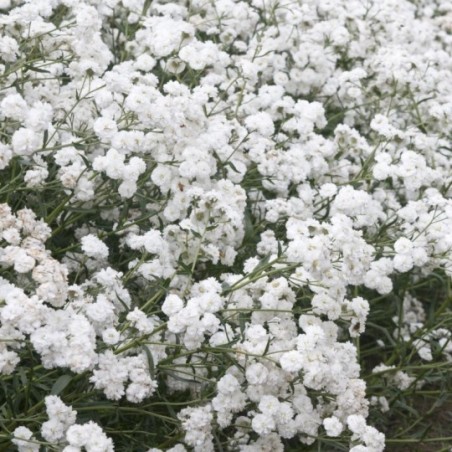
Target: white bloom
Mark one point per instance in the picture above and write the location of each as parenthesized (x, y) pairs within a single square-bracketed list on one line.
[(269, 405), (110, 336), (357, 424), (328, 190), (176, 65), (381, 124), (36, 176), (8, 362), (25, 141), (23, 263), (23, 439), (102, 311), (61, 417), (5, 156), (263, 424), (403, 262), (256, 374), (112, 163), (141, 321), (39, 117), (292, 361), (161, 176), (145, 62), (52, 430), (94, 247), (88, 20), (228, 384), (14, 106), (360, 448), (9, 48), (403, 246), (90, 436), (127, 188), (172, 305), (105, 128), (261, 123), (333, 426), (419, 256)]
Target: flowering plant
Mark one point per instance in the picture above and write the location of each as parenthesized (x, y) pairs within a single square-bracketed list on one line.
[(224, 224)]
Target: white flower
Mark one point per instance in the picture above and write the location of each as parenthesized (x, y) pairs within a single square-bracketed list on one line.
[(127, 188), (94, 247), (8, 362), (357, 424), (88, 20), (102, 311), (25, 141), (228, 384), (14, 106), (61, 417), (71, 449), (105, 128), (360, 448), (9, 48), (263, 424), (269, 405), (333, 426), (141, 321), (256, 374), (145, 62), (403, 262), (261, 123), (256, 333), (36, 176), (419, 256), (39, 117), (172, 305), (292, 361), (381, 124), (197, 423), (322, 303), (5, 156), (403, 246), (110, 336), (23, 263), (24, 440), (112, 164), (328, 190), (161, 176), (90, 436), (175, 65)]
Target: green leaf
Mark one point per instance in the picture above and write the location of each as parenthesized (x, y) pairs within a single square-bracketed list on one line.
[(225, 286), (150, 361), (36, 69), (61, 383), (250, 234), (233, 167), (280, 252), (146, 7), (262, 264), (45, 138)]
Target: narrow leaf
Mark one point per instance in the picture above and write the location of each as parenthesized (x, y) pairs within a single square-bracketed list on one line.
[(61, 383)]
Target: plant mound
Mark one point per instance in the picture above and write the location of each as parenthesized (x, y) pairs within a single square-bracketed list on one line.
[(224, 225)]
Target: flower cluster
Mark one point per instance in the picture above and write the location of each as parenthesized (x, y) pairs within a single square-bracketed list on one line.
[(62, 431), (202, 202)]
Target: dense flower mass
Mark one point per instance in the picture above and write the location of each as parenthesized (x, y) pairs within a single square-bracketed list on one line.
[(205, 208)]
